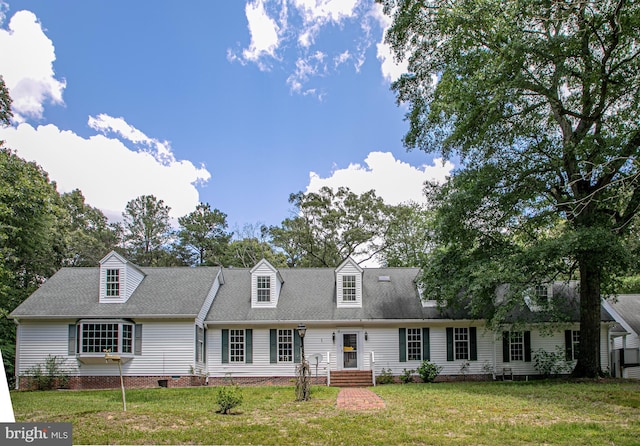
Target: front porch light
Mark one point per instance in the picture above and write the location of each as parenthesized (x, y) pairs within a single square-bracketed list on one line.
[(302, 330)]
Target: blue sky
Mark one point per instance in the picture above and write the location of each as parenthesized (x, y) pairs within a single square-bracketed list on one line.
[(237, 104)]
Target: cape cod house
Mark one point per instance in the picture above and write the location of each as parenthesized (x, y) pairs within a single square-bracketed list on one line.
[(206, 325)]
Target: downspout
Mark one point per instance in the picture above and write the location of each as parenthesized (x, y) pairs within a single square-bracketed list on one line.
[(16, 372)]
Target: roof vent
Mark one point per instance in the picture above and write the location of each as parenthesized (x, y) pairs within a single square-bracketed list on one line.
[(384, 279)]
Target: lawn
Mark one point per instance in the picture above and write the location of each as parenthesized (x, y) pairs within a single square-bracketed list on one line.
[(521, 413)]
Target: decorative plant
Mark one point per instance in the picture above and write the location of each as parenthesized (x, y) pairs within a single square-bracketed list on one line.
[(407, 376), (428, 371), (49, 375), (385, 377), (551, 363), (227, 398)]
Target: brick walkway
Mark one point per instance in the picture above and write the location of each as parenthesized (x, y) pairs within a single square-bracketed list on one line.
[(358, 399)]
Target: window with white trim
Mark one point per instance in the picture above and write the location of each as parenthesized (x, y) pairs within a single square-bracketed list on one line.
[(113, 283), (285, 345), (349, 288), (414, 344), (236, 345), (97, 337), (264, 288), (461, 343), (516, 345)]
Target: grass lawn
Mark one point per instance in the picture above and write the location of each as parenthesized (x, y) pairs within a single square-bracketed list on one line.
[(527, 413)]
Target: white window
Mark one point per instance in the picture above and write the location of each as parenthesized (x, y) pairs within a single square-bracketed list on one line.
[(236, 345), (349, 288), (98, 337), (516, 345), (264, 288), (113, 283), (414, 344), (461, 343), (285, 345)]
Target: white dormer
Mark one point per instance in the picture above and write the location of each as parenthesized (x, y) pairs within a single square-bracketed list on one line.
[(538, 298), (119, 278), (349, 284), (266, 283)]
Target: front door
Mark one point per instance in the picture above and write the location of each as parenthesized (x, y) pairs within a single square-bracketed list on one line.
[(350, 350)]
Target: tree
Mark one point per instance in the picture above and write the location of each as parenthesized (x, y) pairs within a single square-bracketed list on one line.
[(204, 232), (5, 104), (410, 236), (31, 239), (90, 237), (250, 247), (147, 229), (329, 226), (539, 100)]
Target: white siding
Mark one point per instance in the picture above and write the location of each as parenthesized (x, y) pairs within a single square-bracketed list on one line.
[(167, 349), (130, 278)]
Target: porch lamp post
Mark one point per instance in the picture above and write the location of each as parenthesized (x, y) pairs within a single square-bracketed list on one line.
[(303, 387)]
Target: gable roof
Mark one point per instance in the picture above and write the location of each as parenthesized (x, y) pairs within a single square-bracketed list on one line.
[(628, 307), (164, 292)]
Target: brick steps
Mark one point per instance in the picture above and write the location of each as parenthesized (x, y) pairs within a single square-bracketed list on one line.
[(351, 378)]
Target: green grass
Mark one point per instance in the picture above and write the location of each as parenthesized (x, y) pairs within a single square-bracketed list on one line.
[(555, 413)]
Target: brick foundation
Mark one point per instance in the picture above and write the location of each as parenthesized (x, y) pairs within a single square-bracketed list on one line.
[(130, 382), (263, 380)]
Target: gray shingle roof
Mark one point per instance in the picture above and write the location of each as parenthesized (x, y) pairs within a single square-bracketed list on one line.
[(164, 292), (628, 306), (309, 294)]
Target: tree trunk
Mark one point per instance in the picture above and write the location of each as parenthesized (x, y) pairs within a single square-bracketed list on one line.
[(588, 365)]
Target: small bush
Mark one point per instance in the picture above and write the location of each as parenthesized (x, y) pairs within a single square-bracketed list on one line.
[(407, 376), (428, 371), (228, 397), (551, 363), (47, 376), (385, 377)]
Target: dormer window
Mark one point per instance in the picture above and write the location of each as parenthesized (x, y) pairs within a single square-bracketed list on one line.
[(349, 288), (113, 283), (264, 288), (542, 293)]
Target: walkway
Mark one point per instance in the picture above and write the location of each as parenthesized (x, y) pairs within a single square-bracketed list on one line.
[(355, 398)]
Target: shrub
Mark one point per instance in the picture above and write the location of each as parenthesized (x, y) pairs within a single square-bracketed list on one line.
[(407, 376), (47, 376), (228, 397), (428, 371), (385, 377), (551, 363)]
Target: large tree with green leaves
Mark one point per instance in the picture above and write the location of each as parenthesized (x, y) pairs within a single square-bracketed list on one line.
[(328, 226), (147, 230), (204, 232), (540, 101), (89, 235)]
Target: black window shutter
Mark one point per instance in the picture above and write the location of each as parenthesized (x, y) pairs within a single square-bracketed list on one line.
[(473, 344), (137, 344), (273, 346), (527, 346), (426, 349), (568, 345), (197, 343), (225, 346), (248, 346), (449, 343), (506, 357), (402, 344), (72, 339), (296, 347), (204, 345)]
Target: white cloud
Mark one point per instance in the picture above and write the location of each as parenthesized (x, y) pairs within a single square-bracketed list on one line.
[(108, 173), (391, 69), (284, 31), (264, 33), (393, 180), (26, 63)]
